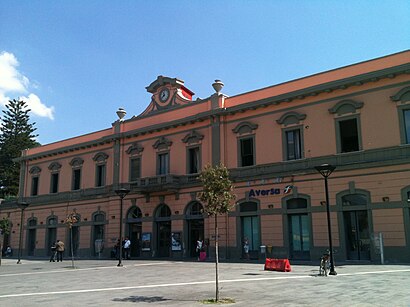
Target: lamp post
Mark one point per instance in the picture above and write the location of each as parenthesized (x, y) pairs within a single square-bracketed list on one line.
[(121, 193), (325, 170), (22, 206)]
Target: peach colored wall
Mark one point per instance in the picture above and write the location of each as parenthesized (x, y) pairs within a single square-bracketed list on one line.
[(319, 226), (65, 177), (272, 232), (390, 223)]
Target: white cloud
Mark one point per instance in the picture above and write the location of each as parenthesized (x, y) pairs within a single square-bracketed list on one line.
[(37, 107), (12, 83)]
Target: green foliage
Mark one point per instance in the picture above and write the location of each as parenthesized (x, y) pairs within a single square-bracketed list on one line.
[(16, 134), (217, 190), (5, 225)]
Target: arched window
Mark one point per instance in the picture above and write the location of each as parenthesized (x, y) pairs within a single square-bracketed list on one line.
[(163, 211), (354, 200), (248, 207), (195, 208), (296, 203), (134, 213)]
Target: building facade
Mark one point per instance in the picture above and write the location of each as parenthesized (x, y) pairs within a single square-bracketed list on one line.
[(356, 118)]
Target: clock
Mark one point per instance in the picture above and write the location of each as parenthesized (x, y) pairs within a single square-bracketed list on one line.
[(164, 95)]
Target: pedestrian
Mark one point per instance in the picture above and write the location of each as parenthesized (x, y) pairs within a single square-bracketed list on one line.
[(53, 252), (127, 248), (246, 248), (199, 247), (60, 250), (9, 252)]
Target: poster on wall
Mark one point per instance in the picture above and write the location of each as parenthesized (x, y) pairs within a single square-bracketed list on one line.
[(176, 241), (146, 241)]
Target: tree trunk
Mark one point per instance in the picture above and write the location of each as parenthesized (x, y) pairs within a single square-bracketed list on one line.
[(71, 246), (216, 259)]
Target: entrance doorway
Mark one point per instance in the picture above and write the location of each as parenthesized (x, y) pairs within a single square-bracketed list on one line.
[(31, 239), (250, 231), (164, 238), (299, 236), (357, 235), (194, 226), (135, 230), (134, 226), (195, 231), (163, 230)]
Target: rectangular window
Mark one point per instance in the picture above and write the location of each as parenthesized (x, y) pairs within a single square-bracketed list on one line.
[(100, 175), (135, 169), (193, 160), (34, 186), (54, 182), (76, 179), (247, 158), (406, 115), (163, 164), (349, 137), (293, 145)]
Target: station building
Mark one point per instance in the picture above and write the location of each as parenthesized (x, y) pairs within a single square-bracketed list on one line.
[(355, 118)]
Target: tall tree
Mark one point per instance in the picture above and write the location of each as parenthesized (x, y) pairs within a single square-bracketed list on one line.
[(16, 134), (217, 194)]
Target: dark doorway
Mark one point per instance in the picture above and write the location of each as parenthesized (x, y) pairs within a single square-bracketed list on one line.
[(164, 238), (134, 225), (163, 230), (357, 235), (31, 239), (195, 232), (135, 230), (194, 226)]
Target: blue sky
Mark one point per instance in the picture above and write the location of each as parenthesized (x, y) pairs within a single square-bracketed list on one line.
[(77, 62)]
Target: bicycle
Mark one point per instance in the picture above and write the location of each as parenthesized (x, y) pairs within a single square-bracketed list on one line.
[(324, 263)]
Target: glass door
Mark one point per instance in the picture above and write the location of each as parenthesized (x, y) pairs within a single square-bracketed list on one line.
[(250, 231), (164, 238), (357, 235), (299, 237)]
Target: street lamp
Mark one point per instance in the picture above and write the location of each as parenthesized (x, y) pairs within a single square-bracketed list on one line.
[(325, 170), (22, 206), (121, 193)]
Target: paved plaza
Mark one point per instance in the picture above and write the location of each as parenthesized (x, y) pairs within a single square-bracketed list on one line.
[(173, 283)]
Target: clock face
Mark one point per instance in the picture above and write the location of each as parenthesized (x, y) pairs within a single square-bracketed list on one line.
[(164, 95)]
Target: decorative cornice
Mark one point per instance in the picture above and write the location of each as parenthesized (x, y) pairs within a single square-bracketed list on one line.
[(162, 142), (35, 170), (54, 166), (290, 118), (135, 148), (100, 157), (346, 106), (403, 95), (161, 80), (193, 137), (76, 162), (245, 127)]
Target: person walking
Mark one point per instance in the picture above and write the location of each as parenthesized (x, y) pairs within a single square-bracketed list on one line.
[(199, 247), (60, 250), (53, 252), (127, 248), (246, 248)]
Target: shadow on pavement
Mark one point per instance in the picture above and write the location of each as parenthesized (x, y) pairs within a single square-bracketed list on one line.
[(138, 299)]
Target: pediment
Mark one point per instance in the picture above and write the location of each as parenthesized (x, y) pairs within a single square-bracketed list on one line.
[(167, 93)]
